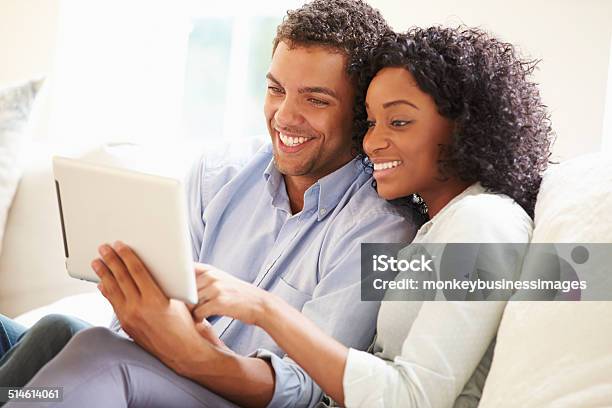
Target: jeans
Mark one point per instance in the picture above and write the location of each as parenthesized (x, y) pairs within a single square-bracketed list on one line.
[(23, 352), (10, 333)]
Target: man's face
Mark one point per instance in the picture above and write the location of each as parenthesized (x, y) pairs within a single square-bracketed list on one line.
[(309, 110)]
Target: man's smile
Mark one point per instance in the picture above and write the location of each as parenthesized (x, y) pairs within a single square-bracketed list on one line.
[(289, 143)]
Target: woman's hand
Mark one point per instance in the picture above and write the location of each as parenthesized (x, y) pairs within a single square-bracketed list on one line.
[(222, 294)]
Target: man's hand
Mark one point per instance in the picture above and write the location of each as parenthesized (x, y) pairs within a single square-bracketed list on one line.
[(161, 326), (220, 293)]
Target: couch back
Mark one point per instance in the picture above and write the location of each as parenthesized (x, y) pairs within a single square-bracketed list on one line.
[(32, 271), (558, 353)]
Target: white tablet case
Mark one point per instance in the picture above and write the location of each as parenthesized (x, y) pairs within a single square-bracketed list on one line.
[(99, 204)]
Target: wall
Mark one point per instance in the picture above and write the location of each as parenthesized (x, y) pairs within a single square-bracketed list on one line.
[(28, 34), (27, 37)]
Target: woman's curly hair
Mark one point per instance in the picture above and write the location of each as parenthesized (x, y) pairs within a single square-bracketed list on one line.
[(503, 131)]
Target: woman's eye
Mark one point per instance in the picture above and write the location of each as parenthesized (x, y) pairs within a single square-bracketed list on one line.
[(317, 102), (400, 123), (370, 124)]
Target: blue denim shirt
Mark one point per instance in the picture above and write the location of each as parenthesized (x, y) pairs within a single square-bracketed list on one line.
[(241, 222)]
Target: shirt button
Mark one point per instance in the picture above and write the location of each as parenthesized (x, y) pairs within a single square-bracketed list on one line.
[(322, 211)]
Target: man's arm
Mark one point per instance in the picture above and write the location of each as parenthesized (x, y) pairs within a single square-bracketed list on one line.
[(166, 329), (251, 381), (246, 381)]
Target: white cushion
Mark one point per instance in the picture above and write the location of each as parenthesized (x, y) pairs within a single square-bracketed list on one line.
[(575, 201), (15, 106), (32, 271), (559, 354)]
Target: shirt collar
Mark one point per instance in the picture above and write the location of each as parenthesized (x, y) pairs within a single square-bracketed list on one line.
[(334, 186), (275, 186), (322, 196), (271, 172)]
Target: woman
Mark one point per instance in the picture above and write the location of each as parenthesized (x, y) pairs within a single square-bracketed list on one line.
[(454, 125)]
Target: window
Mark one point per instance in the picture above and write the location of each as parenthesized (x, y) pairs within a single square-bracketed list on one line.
[(119, 71), (228, 56), (159, 72)]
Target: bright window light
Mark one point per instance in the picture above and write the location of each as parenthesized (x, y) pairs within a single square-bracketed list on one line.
[(149, 72), (230, 47), (119, 71)]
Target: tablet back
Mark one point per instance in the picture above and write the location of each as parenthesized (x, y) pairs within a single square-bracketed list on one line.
[(99, 204)]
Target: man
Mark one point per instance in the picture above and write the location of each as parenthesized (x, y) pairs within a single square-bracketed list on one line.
[(290, 221)]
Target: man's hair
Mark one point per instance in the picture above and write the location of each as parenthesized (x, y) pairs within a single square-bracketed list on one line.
[(346, 25), (351, 27)]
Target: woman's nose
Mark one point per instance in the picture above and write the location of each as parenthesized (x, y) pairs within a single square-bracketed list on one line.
[(374, 141)]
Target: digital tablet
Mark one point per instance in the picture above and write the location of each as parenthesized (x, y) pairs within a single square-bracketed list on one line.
[(100, 204)]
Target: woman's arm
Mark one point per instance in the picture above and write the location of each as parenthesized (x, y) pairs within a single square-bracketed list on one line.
[(447, 341), (319, 354)]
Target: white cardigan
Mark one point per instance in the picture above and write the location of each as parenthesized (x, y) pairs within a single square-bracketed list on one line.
[(427, 354)]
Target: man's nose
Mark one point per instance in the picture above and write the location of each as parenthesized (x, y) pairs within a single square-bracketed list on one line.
[(288, 113), (374, 140)]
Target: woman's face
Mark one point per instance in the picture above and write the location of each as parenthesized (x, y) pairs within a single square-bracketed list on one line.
[(404, 136)]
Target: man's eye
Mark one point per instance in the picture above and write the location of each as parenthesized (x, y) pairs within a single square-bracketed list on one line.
[(275, 90), (400, 123), (317, 102)]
